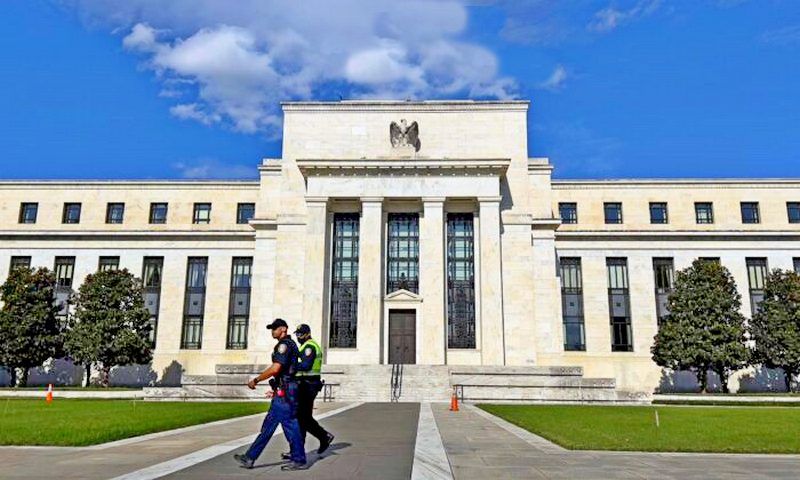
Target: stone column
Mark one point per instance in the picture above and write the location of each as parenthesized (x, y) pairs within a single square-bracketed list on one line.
[(370, 280), (432, 325), (491, 287), (315, 266)]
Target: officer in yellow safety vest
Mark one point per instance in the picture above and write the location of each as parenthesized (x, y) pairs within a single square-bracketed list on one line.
[(309, 369)]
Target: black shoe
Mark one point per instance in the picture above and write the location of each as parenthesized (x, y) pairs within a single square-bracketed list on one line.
[(324, 444), (286, 456), (294, 466), (244, 461)]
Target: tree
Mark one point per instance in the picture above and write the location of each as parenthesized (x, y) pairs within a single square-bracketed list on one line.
[(705, 328), (29, 330), (775, 328), (110, 325)]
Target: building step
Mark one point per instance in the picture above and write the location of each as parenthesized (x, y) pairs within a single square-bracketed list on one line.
[(414, 383)]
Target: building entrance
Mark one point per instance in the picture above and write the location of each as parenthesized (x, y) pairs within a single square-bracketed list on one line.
[(402, 336)]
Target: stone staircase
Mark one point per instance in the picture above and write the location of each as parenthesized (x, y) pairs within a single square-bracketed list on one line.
[(415, 383)]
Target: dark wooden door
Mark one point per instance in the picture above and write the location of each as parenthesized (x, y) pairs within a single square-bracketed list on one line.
[(402, 336)]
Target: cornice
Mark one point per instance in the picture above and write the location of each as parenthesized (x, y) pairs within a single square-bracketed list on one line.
[(32, 235), (644, 235), (406, 106), (677, 183), (129, 184), (402, 165)]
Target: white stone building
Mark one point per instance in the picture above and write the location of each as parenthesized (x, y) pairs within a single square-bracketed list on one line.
[(457, 249)]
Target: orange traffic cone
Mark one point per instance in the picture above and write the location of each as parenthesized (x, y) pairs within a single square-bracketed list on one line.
[(454, 402), (49, 397)]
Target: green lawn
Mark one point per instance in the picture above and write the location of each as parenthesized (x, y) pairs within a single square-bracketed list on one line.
[(71, 422), (682, 429)]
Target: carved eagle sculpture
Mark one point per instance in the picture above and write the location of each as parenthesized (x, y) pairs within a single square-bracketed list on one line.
[(402, 134)]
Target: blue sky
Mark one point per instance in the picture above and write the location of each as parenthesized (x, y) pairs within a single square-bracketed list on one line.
[(190, 88)]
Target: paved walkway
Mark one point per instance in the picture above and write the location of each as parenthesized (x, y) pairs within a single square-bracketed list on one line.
[(387, 441)]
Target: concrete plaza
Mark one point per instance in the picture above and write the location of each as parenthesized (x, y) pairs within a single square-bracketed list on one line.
[(377, 440)]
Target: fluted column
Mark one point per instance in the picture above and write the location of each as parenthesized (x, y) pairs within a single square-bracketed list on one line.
[(370, 280), (433, 324), (315, 266), (491, 287)]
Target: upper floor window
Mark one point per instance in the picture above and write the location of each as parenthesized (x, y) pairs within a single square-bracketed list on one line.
[(202, 213), (245, 212), (20, 262), (72, 213), (158, 213), (658, 212), (28, 212), (704, 212), (108, 263), (750, 212), (796, 261), (793, 208), (568, 212), (115, 212), (613, 212)]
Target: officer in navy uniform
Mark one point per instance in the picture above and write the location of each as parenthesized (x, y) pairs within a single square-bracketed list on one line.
[(283, 409), (309, 384)]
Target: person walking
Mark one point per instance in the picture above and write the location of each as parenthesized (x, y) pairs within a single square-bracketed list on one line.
[(283, 408), (309, 370)]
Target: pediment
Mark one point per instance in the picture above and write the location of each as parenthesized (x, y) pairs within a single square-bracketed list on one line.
[(403, 295)]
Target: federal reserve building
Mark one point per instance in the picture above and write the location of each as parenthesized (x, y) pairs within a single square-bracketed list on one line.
[(424, 247)]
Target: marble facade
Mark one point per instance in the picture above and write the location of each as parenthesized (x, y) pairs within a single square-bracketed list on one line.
[(473, 158)]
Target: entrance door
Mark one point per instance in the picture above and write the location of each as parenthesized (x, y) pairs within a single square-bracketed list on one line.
[(402, 336)]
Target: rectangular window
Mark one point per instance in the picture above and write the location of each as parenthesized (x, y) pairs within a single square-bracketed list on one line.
[(239, 304), (344, 281), (72, 213), (572, 304), (793, 210), (20, 262), (460, 280), (402, 250), (152, 274), (664, 271), (613, 212), (619, 305), (194, 303), (568, 212), (202, 213), (108, 263), (28, 212), (757, 277), (750, 212), (158, 213), (658, 213), (64, 272), (115, 212), (704, 212), (245, 212), (796, 261)]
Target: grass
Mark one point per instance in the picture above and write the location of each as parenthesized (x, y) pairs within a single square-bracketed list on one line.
[(682, 429), (729, 403), (72, 422)]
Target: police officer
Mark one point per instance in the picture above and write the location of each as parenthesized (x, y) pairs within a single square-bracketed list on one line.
[(309, 368), (283, 409)]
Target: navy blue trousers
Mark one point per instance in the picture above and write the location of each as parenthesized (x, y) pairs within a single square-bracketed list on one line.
[(283, 412)]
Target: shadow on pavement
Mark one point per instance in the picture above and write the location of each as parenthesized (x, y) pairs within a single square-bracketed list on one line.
[(311, 456)]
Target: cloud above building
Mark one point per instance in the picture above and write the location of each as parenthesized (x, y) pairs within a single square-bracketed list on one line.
[(231, 64)]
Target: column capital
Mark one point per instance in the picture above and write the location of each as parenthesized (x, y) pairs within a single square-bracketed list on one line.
[(316, 201), (489, 200)]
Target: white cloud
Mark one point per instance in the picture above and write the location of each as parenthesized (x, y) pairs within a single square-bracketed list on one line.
[(213, 169), (610, 17), (782, 36), (556, 79), (233, 63)]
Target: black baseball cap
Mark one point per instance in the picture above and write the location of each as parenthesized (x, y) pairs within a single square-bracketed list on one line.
[(278, 322), (302, 329)]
